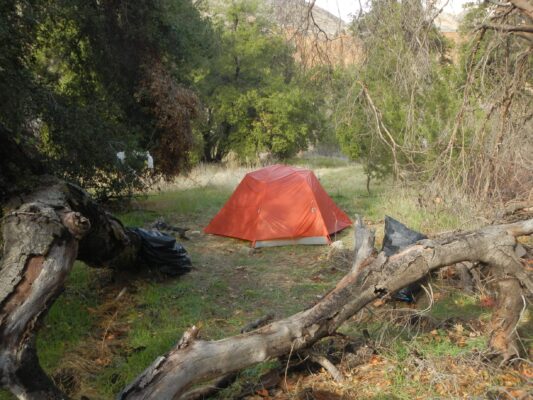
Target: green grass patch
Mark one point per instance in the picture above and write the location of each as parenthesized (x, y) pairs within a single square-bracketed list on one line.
[(180, 205), (68, 321), (458, 305)]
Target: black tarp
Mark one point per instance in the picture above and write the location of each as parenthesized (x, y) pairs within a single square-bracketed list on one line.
[(163, 252), (397, 237)]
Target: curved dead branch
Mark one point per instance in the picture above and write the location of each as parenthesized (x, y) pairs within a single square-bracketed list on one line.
[(509, 28), (170, 375), (524, 31)]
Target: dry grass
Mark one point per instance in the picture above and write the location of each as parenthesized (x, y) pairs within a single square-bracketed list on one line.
[(204, 175)]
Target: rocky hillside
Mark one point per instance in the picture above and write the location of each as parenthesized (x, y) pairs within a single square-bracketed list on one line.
[(446, 22), (289, 14), (296, 14), (318, 35)]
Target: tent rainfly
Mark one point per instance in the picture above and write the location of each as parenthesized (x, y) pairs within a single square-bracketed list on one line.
[(279, 205)]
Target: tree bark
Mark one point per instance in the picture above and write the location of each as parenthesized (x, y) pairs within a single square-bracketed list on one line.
[(52, 227), (505, 317), (524, 6), (39, 253)]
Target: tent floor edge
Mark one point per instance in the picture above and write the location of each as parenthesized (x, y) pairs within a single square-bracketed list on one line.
[(311, 240)]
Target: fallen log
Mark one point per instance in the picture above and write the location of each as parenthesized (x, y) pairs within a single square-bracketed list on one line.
[(370, 278)]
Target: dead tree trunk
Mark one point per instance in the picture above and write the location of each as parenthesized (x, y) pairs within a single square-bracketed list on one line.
[(33, 271), (192, 360), (43, 236), (49, 229)]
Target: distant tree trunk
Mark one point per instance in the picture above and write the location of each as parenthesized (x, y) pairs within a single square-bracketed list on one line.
[(44, 233)]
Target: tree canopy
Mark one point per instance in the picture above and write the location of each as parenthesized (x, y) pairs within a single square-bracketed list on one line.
[(255, 96), (86, 80), (83, 80), (419, 106)]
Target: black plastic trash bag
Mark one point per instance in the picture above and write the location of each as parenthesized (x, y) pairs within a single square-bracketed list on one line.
[(163, 252), (397, 237)]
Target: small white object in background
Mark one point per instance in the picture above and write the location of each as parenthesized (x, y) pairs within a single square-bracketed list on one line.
[(121, 156), (149, 160)]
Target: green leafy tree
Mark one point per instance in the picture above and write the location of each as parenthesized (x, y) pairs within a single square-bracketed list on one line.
[(254, 92), (399, 101), (86, 79)]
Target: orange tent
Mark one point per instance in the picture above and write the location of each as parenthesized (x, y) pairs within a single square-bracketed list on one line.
[(279, 205)]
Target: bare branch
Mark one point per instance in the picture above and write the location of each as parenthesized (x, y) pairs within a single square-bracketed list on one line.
[(327, 365), (390, 142), (311, 16), (508, 28)]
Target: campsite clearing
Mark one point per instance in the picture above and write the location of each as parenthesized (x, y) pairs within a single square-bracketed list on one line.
[(106, 327)]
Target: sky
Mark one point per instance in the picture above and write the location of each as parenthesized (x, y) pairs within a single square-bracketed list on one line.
[(344, 8)]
